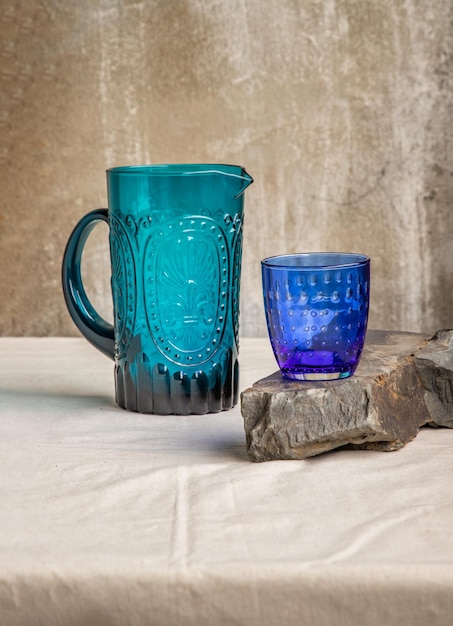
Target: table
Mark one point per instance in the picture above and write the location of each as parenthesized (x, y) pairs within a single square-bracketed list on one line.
[(110, 518)]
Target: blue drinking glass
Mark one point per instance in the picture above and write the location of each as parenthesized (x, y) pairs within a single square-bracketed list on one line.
[(175, 250), (316, 307)]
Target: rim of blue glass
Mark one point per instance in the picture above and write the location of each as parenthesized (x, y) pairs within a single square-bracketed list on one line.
[(315, 260), (179, 169)]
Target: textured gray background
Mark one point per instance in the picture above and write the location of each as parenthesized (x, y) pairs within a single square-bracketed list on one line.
[(342, 111)]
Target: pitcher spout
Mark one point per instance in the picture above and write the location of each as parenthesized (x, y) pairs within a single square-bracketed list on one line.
[(246, 179), (235, 178)]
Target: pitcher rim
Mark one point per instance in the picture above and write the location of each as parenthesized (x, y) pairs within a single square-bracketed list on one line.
[(180, 169)]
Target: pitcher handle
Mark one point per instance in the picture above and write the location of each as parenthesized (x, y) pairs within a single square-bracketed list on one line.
[(92, 326)]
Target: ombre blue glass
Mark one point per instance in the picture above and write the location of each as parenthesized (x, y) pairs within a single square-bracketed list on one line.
[(175, 248), (316, 307)]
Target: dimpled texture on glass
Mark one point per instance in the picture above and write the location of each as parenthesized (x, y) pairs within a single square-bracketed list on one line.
[(316, 308), (176, 247)]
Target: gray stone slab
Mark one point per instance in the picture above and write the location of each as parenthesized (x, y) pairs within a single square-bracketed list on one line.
[(404, 381)]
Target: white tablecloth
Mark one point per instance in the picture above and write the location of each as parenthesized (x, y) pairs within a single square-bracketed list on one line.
[(112, 518)]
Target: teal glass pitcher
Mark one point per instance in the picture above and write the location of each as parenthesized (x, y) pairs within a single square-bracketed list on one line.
[(175, 234)]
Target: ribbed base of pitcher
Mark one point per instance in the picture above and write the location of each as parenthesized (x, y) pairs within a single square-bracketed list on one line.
[(145, 388)]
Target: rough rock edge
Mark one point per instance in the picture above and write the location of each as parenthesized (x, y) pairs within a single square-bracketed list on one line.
[(382, 411)]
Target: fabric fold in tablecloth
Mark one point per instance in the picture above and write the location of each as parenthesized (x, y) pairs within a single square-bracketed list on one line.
[(111, 517)]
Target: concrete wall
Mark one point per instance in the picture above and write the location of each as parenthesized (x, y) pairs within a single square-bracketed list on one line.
[(342, 111)]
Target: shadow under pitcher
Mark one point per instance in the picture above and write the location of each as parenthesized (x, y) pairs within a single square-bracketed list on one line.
[(175, 234)]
